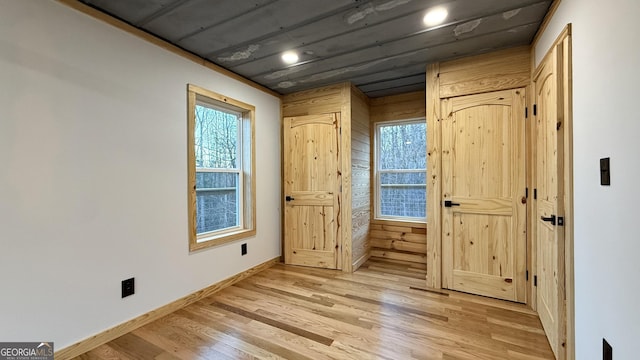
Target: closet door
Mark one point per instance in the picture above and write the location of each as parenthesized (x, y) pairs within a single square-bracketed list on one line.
[(484, 205), (549, 220), (312, 186)]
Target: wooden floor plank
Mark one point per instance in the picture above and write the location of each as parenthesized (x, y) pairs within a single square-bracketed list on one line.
[(382, 311)]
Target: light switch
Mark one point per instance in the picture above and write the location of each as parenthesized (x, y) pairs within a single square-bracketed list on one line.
[(605, 173)]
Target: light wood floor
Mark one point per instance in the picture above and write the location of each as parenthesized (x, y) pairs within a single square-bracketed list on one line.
[(379, 312)]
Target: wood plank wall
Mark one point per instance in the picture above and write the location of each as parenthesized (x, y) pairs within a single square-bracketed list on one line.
[(504, 69), (360, 177), (398, 107), (405, 241), (322, 100)]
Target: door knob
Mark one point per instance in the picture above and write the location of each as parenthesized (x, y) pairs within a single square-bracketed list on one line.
[(288, 198), (449, 203)]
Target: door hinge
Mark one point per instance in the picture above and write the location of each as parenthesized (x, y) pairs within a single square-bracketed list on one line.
[(535, 109), (535, 194), (527, 275), (526, 193), (535, 280), (526, 112)]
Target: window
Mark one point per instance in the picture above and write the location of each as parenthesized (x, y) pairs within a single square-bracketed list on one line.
[(401, 175), (221, 169)]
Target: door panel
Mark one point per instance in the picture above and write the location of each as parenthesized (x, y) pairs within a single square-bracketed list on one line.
[(311, 183), (549, 183), (484, 243)]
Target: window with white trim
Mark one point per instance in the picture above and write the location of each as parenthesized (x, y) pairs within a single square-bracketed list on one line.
[(221, 176), (400, 170)]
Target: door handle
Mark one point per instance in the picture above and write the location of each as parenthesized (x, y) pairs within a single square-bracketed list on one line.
[(288, 198), (551, 219), (449, 203)]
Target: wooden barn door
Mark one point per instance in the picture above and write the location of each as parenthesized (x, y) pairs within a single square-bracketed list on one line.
[(312, 190), (483, 182), (549, 199)]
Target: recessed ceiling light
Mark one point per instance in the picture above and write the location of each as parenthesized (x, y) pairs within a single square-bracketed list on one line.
[(435, 16), (290, 57)]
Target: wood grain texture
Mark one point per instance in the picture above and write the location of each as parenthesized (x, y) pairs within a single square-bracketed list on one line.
[(381, 311), (191, 167), (506, 69), (124, 328), (399, 240), (550, 85), (531, 160), (408, 256), (312, 171), (345, 161), (360, 177), (483, 170), (567, 68), (405, 233), (434, 183), (327, 99), (353, 179), (398, 107)]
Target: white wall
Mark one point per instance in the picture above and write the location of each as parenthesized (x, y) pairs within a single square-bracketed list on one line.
[(606, 75), (93, 186)]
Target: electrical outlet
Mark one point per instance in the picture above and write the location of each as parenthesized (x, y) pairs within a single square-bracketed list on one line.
[(128, 287), (607, 350), (243, 249)]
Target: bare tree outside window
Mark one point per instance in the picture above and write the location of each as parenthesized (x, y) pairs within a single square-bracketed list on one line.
[(401, 158), (217, 136)]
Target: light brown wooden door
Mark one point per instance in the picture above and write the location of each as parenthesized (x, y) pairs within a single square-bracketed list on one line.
[(549, 189), (312, 189), (483, 168)]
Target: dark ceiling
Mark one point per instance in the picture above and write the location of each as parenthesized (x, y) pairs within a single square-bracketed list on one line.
[(382, 46)]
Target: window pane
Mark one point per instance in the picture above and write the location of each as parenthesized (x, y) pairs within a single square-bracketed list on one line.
[(403, 194), (403, 146), (405, 178), (216, 201), (216, 138)]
